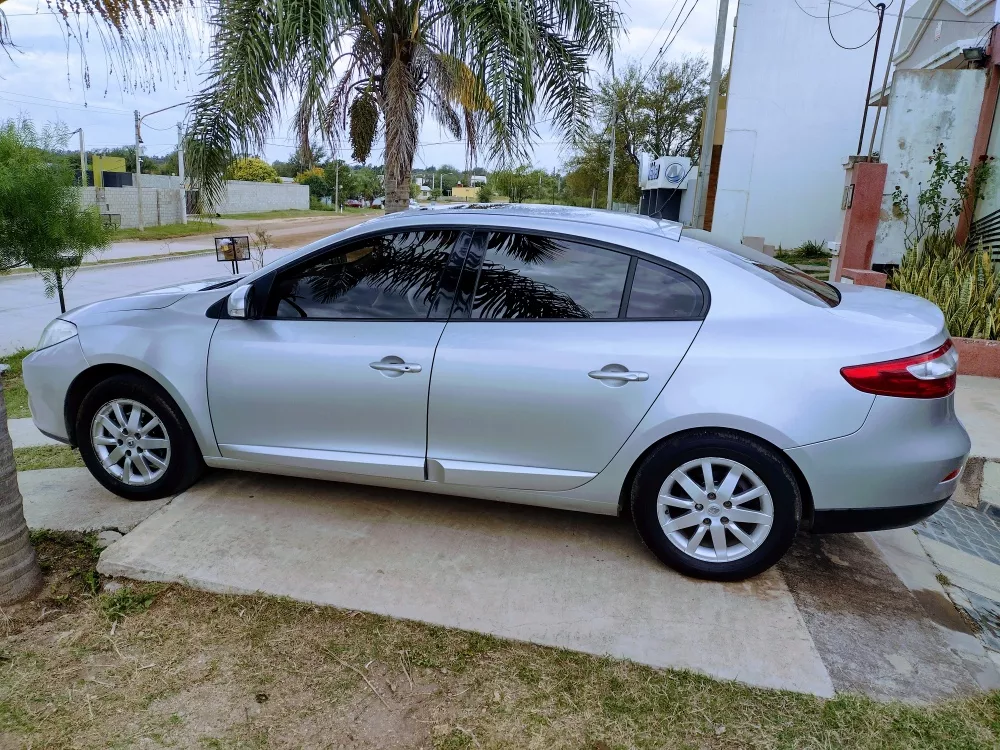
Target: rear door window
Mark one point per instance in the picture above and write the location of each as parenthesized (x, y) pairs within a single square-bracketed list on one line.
[(545, 278)]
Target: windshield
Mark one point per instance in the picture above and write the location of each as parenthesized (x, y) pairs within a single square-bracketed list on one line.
[(787, 278)]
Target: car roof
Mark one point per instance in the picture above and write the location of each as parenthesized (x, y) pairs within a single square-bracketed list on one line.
[(612, 219)]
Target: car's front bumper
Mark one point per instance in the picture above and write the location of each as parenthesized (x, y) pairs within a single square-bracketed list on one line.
[(48, 374), (890, 472)]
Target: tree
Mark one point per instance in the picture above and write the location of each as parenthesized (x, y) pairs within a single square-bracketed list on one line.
[(315, 178), (484, 70), (517, 184), (657, 112), (42, 224), (367, 184), (251, 169), (484, 194), (348, 182)]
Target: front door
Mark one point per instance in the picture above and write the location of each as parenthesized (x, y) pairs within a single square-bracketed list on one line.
[(335, 374), (563, 348)]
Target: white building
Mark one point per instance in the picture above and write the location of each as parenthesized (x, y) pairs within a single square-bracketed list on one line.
[(793, 117)]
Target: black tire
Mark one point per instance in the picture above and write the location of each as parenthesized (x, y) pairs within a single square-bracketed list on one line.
[(765, 462), (186, 464)]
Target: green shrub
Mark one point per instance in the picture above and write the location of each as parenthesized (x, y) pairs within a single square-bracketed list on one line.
[(964, 284)]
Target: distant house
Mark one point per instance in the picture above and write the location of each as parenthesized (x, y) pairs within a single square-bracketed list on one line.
[(466, 192), (477, 179)]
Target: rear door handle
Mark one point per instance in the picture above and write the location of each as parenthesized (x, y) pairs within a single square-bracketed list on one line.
[(631, 377), (395, 367)]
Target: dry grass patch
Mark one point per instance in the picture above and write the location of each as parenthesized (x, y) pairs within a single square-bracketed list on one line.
[(156, 666), (14, 392)]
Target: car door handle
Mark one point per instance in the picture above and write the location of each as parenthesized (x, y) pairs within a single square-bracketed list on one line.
[(632, 377), (400, 367)]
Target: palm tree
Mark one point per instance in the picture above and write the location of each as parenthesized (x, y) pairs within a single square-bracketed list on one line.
[(371, 68), (20, 575)]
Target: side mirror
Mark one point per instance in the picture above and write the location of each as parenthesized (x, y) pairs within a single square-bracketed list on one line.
[(240, 303)]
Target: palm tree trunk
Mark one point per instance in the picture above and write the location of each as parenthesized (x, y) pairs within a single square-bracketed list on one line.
[(399, 108), (397, 192), (20, 576)]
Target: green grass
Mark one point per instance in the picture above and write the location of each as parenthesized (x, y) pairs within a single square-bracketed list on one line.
[(14, 392), (166, 231), (46, 457)]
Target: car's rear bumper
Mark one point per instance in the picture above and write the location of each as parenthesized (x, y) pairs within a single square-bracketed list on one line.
[(891, 471), (872, 519)]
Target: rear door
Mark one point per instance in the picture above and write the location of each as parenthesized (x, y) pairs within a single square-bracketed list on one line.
[(555, 350)]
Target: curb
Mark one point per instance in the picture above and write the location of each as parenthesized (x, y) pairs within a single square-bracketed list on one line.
[(979, 486)]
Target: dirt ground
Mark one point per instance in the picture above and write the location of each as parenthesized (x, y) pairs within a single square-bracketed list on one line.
[(94, 664)]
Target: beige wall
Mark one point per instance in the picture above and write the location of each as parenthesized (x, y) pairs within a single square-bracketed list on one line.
[(926, 19)]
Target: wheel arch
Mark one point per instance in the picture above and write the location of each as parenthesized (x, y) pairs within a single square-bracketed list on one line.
[(84, 382), (807, 498)]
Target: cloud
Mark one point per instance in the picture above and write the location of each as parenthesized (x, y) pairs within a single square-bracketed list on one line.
[(45, 80)]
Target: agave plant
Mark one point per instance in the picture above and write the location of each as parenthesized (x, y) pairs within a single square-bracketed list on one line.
[(964, 284), (372, 68)]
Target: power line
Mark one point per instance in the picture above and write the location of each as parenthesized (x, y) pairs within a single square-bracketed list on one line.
[(913, 18), (834, 38), (67, 105), (835, 15), (653, 38)]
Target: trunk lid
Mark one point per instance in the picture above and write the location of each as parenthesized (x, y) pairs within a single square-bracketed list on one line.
[(901, 324)]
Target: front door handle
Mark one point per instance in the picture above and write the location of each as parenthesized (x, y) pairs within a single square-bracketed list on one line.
[(619, 373), (394, 366)]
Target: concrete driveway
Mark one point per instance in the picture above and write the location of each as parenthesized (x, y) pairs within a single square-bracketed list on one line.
[(833, 616)]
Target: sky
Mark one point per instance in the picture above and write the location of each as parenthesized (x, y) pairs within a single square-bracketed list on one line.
[(47, 79)]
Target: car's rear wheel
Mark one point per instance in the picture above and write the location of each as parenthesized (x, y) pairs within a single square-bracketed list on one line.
[(135, 441), (716, 505)]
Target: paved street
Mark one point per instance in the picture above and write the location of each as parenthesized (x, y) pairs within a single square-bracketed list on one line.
[(25, 310)]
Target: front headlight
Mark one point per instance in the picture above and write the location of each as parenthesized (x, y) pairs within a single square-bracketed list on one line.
[(56, 332)]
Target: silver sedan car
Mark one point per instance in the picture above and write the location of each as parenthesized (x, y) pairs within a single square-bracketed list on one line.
[(567, 358)]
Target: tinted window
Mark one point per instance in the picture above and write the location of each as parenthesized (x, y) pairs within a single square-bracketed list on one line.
[(659, 292), (527, 276), (788, 278), (393, 276)]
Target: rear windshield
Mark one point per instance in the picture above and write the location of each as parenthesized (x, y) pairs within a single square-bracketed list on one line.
[(788, 278)]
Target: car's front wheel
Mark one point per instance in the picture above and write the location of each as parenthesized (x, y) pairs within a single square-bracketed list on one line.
[(716, 505), (135, 441)]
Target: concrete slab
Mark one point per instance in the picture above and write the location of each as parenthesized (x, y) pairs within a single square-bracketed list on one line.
[(977, 401), (556, 578), (964, 570), (72, 500), (24, 434), (874, 635)]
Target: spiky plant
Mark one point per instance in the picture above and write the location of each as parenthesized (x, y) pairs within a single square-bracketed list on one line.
[(965, 285), (485, 69)]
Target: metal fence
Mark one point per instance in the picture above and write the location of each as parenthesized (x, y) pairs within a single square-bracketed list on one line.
[(986, 232)]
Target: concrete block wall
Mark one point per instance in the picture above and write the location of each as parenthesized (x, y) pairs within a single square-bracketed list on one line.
[(245, 197), (160, 181), (159, 206)]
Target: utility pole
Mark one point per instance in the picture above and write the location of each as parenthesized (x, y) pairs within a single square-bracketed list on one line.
[(138, 168), (180, 173), (708, 137), (614, 121), (83, 158), (138, 156), (336, 185)]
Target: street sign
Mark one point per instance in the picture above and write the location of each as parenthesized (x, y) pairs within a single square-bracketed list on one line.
[(232, 250)]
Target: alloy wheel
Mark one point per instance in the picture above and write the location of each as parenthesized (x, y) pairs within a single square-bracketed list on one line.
[(715, 509), (130, 441)]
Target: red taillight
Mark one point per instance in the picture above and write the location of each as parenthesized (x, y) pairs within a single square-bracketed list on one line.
[(951, 475), (930, 375)]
